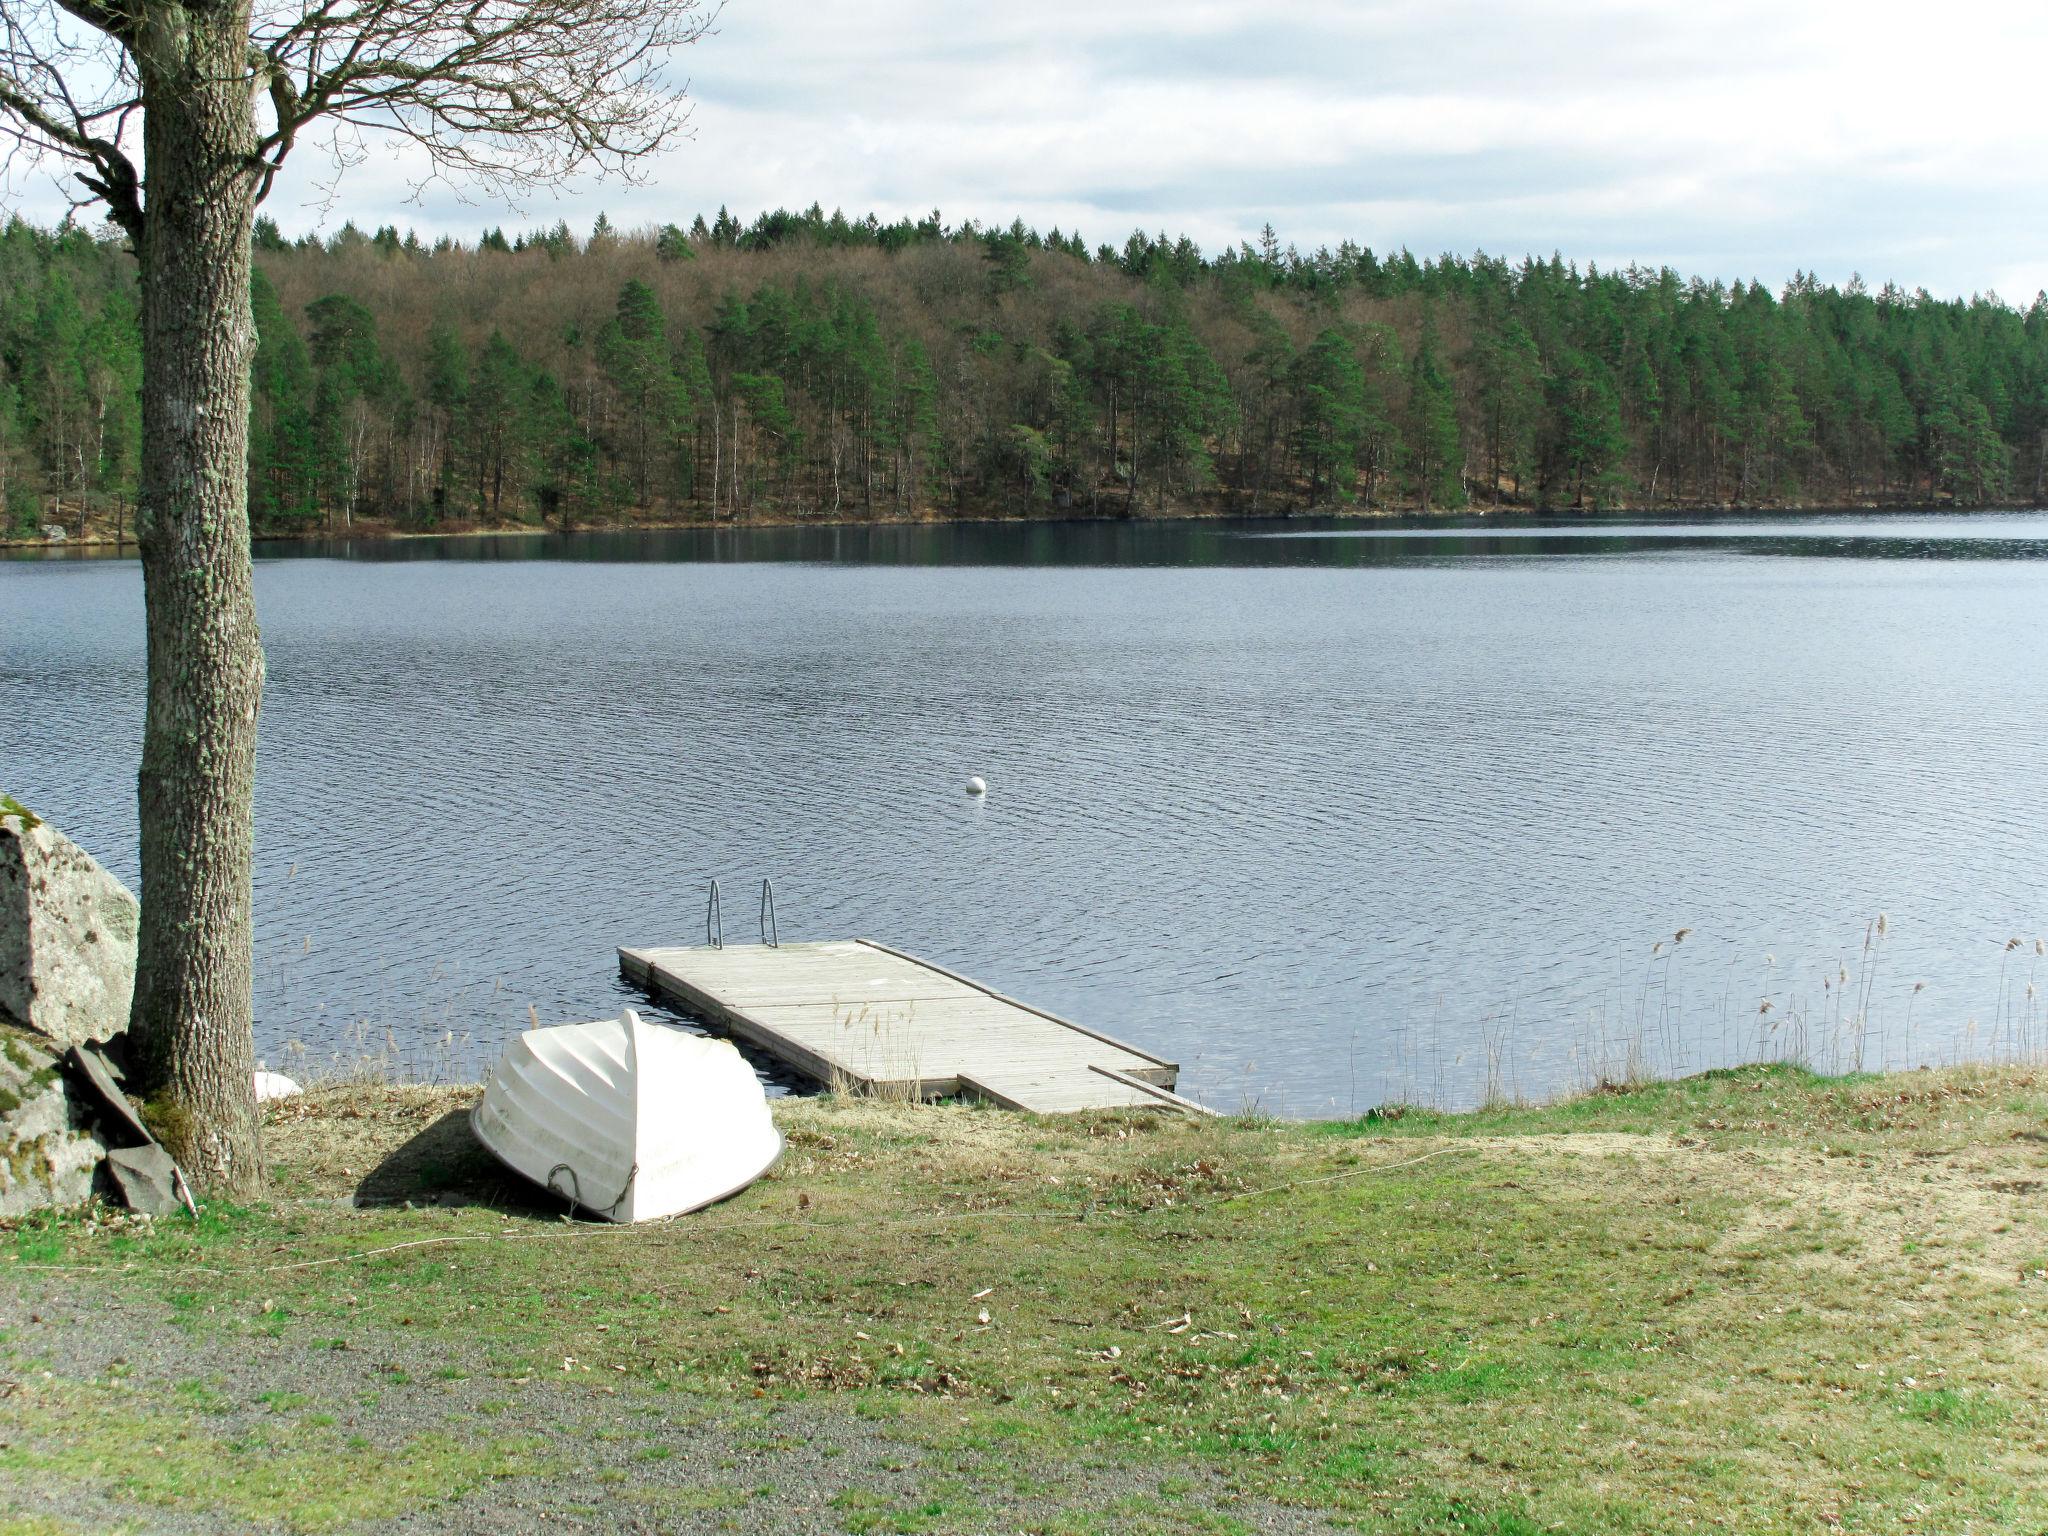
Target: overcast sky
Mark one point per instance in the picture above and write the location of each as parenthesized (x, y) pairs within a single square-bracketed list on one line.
[(1723, 137)]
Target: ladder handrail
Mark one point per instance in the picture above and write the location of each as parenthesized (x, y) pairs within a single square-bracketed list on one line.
[(714, 920), (769, 934)]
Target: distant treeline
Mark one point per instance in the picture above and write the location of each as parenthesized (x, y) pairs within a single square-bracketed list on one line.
[(815, 366)]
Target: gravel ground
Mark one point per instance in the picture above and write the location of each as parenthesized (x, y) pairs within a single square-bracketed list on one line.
[(638, 1461)]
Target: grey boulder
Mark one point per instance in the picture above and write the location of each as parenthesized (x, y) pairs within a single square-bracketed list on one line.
[(47, 1155), (67, 934)]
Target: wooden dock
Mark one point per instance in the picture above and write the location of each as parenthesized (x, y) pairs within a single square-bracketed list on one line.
[(864, 1018)]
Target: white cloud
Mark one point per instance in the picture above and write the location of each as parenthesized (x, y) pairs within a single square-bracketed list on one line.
[(1731, 137)]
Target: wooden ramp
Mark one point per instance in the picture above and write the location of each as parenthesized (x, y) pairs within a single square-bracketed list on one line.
[(858, 1015)]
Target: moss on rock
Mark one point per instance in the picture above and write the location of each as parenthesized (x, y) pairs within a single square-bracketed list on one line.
[(47, 1156)]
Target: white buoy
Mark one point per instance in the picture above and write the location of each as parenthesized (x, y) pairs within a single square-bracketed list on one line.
[(976, 787)]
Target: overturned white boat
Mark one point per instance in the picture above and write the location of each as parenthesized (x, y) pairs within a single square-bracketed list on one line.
[(630, 1121)]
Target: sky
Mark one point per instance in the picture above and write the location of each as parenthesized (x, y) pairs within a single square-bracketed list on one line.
[(1722, 137)]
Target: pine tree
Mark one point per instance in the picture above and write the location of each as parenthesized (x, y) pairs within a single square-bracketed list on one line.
[(633, 350), (492, 425), (353, 383), (111, 368), (672, 245), (1508, 373), (281, 478), (447, 386), (17, 504), (58, 398), (1589, 441), (692, 373), (562, 461), (1435, 452), (1326, 385)]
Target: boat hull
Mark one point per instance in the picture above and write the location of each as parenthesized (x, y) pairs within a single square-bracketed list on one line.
[(628, 1121)]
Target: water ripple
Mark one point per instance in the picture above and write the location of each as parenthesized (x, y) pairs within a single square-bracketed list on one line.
[(1326, 832)]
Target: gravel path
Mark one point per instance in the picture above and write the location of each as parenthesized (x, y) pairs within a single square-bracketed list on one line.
[(627, 1459)]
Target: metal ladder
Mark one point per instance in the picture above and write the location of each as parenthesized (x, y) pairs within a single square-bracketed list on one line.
[(714, 920)]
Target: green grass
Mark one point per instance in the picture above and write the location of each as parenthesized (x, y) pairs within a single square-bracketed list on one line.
[(306, 1478), (1612, 1315)]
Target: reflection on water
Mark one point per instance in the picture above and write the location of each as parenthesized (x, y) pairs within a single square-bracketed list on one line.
[(1369, 812), (1301, 541)]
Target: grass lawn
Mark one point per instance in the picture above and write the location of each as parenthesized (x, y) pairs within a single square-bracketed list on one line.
[(1754, 1301)]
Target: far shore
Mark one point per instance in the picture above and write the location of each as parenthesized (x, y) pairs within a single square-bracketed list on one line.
[(101, 532)]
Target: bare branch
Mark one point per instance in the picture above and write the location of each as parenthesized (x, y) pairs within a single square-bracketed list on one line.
[(508, 94), (114, 20), (502, 94), (66, 92)]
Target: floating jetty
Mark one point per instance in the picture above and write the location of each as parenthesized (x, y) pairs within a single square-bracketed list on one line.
[(861, 1017)]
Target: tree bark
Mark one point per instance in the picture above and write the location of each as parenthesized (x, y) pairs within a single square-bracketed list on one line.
[(193, 1012)]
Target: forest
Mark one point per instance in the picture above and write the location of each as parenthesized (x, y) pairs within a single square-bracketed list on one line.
[(820, 367)]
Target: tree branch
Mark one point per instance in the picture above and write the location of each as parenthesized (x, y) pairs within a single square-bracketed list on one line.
[(66, 92), (117, 21), (508, 94), (115, 181), (504, 93)]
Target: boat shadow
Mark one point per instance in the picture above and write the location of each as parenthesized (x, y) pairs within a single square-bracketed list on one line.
[(444, 1165)]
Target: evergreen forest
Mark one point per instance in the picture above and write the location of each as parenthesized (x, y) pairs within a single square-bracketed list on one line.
[(815, 366)]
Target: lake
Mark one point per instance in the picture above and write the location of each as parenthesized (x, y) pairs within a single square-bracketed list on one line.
[(1332, 813)]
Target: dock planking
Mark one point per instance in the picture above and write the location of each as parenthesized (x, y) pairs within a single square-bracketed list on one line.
[(870, 1019)]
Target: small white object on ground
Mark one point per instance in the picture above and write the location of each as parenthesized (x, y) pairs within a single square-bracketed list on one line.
[(976, 787), (274, 1085)]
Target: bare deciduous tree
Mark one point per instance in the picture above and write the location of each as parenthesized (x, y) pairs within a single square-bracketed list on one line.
[(213, 95)]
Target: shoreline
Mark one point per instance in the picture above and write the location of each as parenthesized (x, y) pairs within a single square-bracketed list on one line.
[(785, 1088), (377, 530)]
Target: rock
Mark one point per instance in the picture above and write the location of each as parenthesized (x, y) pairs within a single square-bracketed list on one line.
[(274, 1085), (67, 934), (98, 1080), (47, 1156), (53, 534), (142, 1172), (146, 1179)]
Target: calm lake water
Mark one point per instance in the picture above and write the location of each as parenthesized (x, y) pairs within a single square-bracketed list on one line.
[(1331, 814)]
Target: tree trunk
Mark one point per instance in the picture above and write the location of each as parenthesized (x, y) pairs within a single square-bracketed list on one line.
[(192, 1016)]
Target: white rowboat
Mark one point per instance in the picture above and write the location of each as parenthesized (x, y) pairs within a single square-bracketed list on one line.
[(628, 1120)]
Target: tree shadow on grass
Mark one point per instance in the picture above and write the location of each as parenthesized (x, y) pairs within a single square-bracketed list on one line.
[(445, 1165)]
